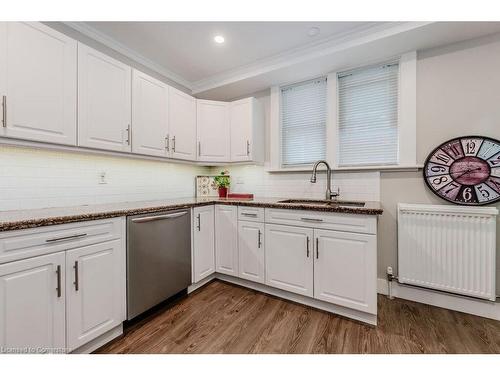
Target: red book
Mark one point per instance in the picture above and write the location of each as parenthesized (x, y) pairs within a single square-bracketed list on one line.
[(239, 196)]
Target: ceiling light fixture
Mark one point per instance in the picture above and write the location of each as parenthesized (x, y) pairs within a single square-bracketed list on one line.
[(313, 31), (219, 39)]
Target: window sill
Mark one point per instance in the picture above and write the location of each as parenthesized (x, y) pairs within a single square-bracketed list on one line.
[(382, 168)]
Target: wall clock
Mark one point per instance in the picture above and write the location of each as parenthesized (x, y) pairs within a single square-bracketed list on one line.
[(465, 170)]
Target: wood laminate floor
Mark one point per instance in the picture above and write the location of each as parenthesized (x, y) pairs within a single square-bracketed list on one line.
[(225, 318)]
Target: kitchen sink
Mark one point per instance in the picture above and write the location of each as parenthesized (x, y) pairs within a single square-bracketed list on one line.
[(319, 202)]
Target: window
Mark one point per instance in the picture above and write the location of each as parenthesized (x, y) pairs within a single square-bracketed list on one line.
[(368, 115), (303, 122)]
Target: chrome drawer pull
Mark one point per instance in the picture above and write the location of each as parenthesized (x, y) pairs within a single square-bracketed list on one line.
[(159, 217), (58, 288), (66, 238), (311, 219), (248, 214)]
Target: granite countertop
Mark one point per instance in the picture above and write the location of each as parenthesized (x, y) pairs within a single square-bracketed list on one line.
[(22, 219)]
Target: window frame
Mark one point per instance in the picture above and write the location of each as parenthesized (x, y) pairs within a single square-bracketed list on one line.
[(407, 150)]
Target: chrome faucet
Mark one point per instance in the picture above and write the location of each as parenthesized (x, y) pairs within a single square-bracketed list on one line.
[(328, 195)]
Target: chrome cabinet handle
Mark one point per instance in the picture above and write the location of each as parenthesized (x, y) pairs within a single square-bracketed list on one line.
[(76, 276), (317, 248), (311, 219), (307, 247), (199, 222), (58, 288), (259, 242), (248, 214), (248, 148), (128, 134), (4, 111), (158, 217), (66, 237), (199, 148), (167, 142), (173, 144)]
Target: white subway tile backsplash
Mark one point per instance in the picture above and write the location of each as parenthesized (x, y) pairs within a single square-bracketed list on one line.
[(36, 178)]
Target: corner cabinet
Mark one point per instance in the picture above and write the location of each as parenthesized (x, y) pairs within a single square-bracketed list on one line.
[(226, 239), (104, 101), (182, 125), (247, 130), (149, 116), (38, 67), (203, 242), (212, 123)]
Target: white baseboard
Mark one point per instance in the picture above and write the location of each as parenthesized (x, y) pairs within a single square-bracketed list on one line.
[(339, 310), (99, 341), (200, 283), (486, 309)]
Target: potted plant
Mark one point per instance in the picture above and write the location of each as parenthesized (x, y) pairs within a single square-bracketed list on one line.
[(222, 182)]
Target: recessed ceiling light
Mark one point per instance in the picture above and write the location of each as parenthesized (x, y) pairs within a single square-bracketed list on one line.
[(219, 39), (313, 31)]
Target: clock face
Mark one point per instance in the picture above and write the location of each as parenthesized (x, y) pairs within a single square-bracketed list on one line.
[(465, 170)]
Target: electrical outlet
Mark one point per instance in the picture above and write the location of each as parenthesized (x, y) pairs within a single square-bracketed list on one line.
[(103, 178)]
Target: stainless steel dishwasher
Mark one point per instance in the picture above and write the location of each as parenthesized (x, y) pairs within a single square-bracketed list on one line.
[(158, 258)]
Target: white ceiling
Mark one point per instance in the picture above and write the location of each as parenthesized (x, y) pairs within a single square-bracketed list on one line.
[(188, 48), (258, 55)]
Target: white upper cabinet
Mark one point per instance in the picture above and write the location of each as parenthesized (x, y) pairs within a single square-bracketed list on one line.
[(104, 101), (37, 83), (289, 258), (247, 130), (149, 115), (182, 123), (33, 303), (345, 269), (213, 130)]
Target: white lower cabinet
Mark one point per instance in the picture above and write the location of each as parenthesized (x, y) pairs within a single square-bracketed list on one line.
[(289, 258), (33, 303), (203, 242), (226, 239), (345, 266), (251, 252), (94, 291)]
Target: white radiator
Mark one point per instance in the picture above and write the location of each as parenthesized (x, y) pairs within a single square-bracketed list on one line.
[(448, 248)]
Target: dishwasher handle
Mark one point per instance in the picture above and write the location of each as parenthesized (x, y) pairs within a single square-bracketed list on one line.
[(158, 217)]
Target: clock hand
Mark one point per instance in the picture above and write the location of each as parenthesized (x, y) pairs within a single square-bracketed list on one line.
[(468, 171)]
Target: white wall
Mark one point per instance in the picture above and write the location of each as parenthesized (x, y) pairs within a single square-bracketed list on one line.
[(35, 178)]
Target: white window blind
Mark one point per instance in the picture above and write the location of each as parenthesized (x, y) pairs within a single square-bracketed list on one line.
[(368, 115), (303, 122)]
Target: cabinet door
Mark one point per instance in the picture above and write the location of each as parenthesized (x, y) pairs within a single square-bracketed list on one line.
[(226, 239), (241, 130), (182, 124), (251, 251), (212, 123), (95, 285), (345, 269), (203, 242), (289, 258), (149, 115), (38, 83), (33, 300), (104, 100)]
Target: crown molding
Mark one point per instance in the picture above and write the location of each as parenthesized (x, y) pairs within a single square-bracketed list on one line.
[(326, 46), (112, 43)]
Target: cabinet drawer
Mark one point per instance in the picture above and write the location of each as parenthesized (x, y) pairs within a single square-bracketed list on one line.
[(26, 243), (251, 214), (323, 220)]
